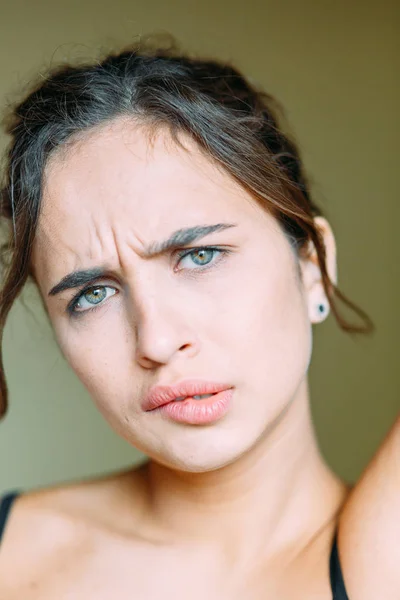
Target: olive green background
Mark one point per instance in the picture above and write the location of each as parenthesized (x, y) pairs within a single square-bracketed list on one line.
[(333, 66)]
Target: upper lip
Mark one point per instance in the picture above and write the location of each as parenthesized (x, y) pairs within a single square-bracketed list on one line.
[(162, 394)]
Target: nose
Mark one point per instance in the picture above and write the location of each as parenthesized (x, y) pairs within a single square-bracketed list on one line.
[(162, 332)]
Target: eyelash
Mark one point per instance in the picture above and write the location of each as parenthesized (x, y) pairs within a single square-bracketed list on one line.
[(223, 252)]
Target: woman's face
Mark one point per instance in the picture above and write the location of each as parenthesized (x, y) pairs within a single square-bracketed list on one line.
[(238, 315)]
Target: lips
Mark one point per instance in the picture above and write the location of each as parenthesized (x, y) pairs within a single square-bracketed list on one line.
[(163, 394)]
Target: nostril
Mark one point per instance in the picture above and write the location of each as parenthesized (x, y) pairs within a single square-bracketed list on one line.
[(184, 347)]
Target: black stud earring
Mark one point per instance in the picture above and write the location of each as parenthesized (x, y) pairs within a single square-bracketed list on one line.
[(321, 308)]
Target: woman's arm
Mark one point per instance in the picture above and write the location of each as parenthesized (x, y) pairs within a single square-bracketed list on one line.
[(369, 528)]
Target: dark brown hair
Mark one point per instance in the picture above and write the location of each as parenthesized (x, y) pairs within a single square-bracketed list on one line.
[(230, 119)]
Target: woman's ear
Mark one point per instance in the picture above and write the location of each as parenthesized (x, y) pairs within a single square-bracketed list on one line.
[(317, 301)]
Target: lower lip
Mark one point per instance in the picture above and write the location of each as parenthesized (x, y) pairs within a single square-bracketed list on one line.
[(198, 412)]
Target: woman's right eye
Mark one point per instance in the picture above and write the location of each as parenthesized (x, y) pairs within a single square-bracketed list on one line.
[(90, 298)]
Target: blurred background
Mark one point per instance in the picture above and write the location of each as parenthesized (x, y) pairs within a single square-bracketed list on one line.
[(333, 66)]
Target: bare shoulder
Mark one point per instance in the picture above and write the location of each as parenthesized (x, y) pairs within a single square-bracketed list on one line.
[(49, 525), (369, 529)]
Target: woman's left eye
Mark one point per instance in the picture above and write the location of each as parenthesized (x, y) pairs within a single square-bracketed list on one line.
[(201, 257)]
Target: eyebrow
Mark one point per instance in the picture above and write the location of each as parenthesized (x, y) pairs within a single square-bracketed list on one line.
[(179, 238)]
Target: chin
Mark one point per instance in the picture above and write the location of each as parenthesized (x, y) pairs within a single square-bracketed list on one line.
[(210, 455), (195, 464)]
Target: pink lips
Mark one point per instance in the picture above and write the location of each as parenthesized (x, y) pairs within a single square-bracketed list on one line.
[(190, 410), (198, 412), (162, 394)]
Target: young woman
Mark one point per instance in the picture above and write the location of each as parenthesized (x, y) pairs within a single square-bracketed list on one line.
[(167, 222)]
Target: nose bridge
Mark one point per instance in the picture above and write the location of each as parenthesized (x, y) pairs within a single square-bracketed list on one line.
[(161, 323)]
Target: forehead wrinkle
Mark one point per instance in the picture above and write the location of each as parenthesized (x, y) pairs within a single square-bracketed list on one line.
[(113, 242), (99, 242), (99, 246)]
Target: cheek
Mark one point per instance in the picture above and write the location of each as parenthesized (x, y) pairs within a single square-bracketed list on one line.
[(270, 331), (98, 353)]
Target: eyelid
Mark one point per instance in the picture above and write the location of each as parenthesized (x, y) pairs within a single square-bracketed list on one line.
[(189, 250)]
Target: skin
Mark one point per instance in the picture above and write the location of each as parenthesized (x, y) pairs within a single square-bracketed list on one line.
[(246, 507)]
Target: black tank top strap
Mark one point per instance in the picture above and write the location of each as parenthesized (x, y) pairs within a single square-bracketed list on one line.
[(6, 503), (336, 575)]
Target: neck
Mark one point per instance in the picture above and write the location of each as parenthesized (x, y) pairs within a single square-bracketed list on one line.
[(277, 495)]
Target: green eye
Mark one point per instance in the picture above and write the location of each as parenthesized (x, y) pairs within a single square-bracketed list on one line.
[(90, 298), (97, 295), (204, 256), (201, 257)]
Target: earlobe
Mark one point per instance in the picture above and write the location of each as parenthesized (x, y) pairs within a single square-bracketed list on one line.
[(320, 312)]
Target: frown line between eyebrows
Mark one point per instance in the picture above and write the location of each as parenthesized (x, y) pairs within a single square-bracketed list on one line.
[(178, 239)]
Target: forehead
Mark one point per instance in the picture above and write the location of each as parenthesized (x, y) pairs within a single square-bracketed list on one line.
[(119, 180), (121, 167)]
